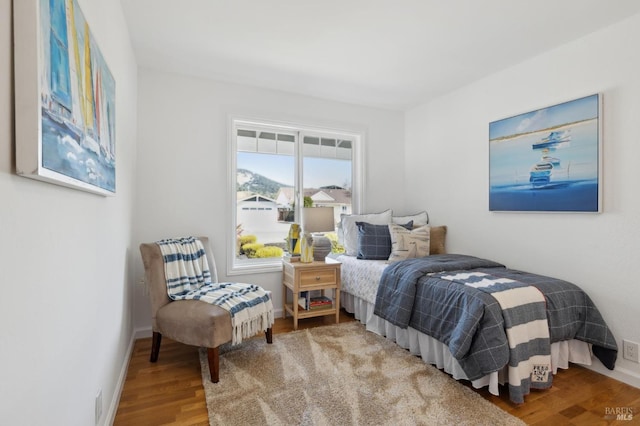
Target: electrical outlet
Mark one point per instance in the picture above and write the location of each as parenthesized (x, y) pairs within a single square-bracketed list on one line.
[(630, 350), (98, 406)]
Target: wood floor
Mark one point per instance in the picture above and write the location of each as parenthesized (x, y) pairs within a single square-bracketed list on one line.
[(170, 391)]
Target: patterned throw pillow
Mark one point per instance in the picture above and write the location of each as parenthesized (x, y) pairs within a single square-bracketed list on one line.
[(408, 244), (374, 241)]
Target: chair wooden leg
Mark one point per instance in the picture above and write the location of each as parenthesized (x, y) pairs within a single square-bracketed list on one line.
[(214, 364), (269, 334), (155, 346)]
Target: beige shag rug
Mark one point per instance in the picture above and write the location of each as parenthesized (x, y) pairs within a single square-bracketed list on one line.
[(337, 375)]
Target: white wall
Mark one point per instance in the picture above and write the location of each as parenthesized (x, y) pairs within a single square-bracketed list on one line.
[(65, 306), (183, 155), (446, 156)]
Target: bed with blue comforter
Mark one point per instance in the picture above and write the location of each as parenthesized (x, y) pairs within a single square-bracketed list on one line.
[(479, 308)]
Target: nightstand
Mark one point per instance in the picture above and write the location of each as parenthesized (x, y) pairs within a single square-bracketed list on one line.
[(301, 277)]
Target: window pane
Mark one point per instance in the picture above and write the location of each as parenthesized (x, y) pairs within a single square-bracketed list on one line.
[(267, 142), (344, 149), (288, 138), (327, 179), (260, 177), (246, 141), (328, 148), (310, 140), (286, 147)]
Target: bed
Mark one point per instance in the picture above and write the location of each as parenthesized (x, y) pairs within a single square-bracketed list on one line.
[(370, 290)]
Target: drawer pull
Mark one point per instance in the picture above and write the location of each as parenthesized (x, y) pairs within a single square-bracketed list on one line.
[(317, 278)]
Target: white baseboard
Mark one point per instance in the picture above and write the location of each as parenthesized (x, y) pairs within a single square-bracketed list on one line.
[(621, 374), (110, 414), (141, 333)]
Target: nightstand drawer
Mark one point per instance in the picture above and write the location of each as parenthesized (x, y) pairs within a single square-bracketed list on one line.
[(318, 276)]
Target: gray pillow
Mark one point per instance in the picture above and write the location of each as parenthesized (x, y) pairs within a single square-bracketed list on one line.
[(350, 230)]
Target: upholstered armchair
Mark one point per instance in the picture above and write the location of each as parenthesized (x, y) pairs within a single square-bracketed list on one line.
[(191, 322)]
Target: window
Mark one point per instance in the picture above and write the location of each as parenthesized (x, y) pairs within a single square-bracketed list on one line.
[(277, 169)]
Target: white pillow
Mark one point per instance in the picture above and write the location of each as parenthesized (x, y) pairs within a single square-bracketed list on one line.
[(407, 244), (419, 219), (350, 230)]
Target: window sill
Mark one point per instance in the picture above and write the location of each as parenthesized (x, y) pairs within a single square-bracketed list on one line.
[(246, 267)]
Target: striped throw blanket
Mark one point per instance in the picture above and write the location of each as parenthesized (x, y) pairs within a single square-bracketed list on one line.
[(526, 327), (189, 278)]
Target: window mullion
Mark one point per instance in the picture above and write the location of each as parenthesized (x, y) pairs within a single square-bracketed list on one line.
[(298, 188)]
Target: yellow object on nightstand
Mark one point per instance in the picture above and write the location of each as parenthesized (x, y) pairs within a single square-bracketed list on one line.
[(306, 249), (301, 277)]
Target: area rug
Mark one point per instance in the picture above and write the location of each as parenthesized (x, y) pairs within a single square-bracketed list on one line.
[(337, 375)]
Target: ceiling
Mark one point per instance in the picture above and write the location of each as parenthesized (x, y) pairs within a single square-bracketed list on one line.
[(381, 53)]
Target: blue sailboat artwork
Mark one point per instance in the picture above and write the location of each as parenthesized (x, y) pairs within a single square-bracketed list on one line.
[(547, 159)]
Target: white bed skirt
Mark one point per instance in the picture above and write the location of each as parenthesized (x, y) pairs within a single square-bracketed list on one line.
[(437, 353)]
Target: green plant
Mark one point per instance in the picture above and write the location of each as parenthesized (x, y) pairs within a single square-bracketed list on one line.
[(269, 251), (308, 202)]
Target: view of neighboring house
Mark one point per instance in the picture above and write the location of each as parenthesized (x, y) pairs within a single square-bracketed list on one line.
[(330, 196), (258, 215), (269, 220)]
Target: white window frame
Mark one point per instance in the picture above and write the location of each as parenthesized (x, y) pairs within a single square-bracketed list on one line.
[(238, 267)]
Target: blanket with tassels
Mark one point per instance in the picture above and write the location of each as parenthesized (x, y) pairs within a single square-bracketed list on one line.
[(189, 278)]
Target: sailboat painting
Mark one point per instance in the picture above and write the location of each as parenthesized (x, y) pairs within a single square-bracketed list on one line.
[(74, 105), (548, 159)]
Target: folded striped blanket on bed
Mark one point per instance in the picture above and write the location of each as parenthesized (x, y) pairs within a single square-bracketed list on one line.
[(526, 327), (189, 278)]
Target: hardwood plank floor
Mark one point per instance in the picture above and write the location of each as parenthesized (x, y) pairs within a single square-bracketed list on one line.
[(170, 391)]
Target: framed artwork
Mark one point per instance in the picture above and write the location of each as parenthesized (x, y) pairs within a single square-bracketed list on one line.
[(65, 98), (548, 160)]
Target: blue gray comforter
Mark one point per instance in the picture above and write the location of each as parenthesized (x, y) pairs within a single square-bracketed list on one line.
[(470, 322)]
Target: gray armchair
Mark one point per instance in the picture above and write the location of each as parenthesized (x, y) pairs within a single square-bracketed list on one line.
[(191, 322)]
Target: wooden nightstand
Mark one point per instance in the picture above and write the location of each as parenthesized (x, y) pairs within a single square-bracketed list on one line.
[(299, 277)]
